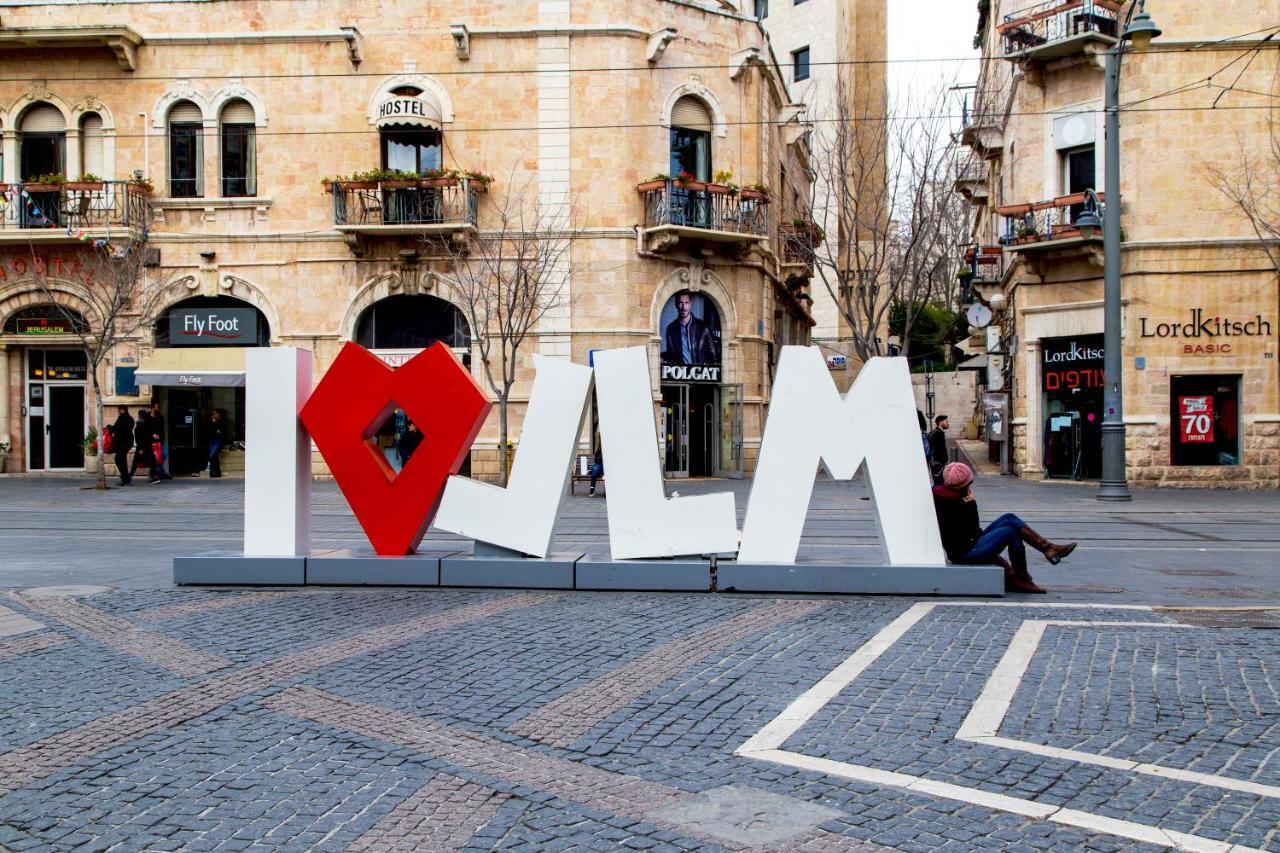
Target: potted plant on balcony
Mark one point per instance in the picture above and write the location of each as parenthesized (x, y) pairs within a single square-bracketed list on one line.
[(479, 180), (689, 181), (657, 182), (1026, 232), (141, 185), (723, 184), (440, 177), (87, 182), (755, 192)]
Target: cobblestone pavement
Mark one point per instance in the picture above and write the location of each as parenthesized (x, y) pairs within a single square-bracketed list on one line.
[(446, 719)]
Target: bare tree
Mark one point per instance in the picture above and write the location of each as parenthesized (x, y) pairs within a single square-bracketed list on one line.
[(1252, 185), (109, 279), (890, 227), (509, 278)]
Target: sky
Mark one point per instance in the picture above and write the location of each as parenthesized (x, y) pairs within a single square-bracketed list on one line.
[(931, 29)]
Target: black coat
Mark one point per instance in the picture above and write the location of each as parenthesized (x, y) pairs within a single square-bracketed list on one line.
[(122, 434), (142, 434), (938, 448), (702, 343), (155, 423), (957, 521)]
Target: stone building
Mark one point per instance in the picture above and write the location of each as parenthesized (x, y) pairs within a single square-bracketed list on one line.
[(236, 112), (1200, 324)]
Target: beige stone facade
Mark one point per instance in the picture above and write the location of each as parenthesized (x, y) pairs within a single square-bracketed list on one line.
[(573, 98), (1200, 300)]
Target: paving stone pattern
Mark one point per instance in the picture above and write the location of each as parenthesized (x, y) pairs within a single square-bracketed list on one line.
[(446, 719), (23, 645)]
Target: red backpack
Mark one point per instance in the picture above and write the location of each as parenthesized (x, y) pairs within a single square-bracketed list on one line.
[(108, 441)]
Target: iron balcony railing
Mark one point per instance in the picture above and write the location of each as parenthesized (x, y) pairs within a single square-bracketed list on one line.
[(984, 263), (1044, 221), (444, 201), (76, 207), (708, 206), (797, 244), (1057, 20)]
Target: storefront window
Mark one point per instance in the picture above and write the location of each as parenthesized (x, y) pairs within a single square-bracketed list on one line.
[(412, 322), (1071, 381), (1204, 413)]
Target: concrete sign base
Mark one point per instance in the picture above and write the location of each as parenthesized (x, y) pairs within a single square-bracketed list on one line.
[(231, 567), (364, 568), (678, 575), (817, 577), (574, 570)]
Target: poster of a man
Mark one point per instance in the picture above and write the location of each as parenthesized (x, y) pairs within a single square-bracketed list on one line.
[(690, 330)]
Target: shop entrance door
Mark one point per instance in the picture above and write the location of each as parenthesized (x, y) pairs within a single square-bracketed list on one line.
[(675, 406), (65, 427), (729, 448)]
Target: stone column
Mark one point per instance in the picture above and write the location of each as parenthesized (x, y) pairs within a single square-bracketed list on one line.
[(1034, 468), (10, 148)]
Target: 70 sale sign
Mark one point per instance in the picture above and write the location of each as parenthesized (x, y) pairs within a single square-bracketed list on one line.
[(1196, 415)]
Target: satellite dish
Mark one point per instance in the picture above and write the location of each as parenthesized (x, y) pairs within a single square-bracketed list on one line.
[(978, 315)]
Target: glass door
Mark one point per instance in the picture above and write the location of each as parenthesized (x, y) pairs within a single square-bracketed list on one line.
[(729, 447), (675, 405), (65, 427)]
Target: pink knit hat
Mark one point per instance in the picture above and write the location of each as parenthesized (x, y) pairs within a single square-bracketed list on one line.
[(957, 475)]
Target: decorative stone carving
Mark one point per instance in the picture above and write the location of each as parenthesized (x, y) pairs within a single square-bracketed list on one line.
[(461, 41), (657, 44)]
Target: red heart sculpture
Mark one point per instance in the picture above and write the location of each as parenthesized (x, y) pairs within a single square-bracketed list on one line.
[(355, 397)]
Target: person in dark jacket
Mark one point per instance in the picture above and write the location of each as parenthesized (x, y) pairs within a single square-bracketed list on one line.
[(122, 443), (968, 543), (408, 442), (141, 444), (938, 457), (597, 468), (156, 421), (217, 431)]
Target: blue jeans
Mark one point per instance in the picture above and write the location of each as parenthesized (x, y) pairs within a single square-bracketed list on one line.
[(1002, 533), (597, 469)]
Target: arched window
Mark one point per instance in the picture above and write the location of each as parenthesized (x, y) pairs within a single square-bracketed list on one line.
[(186, 150), (92, 161), (691, 138), (412, 322), (45, 319), (409, 124), (42, 142), (251, 326), (238, 149)]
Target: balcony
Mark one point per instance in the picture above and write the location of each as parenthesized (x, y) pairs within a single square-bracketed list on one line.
[(796, 243), (982, 129), (971, 181), (440, 207), (983, 271), (1060, 28), (1047, 226), (72, 212), (702, 214)]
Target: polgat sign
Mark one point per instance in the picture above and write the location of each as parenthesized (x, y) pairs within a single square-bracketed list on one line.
[(873, 428)]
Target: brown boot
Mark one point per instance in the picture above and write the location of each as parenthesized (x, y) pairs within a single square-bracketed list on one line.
[(1052, 552), (1016, 576)]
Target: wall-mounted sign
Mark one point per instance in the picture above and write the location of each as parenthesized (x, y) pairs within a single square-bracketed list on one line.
[(213, 326), (42, 326), (689, 327), (1202, 326), (1072, 364), (420, 110), (691, 373), (837, 362), (1196, 417)]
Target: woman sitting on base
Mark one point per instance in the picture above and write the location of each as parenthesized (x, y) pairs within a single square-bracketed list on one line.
[(968, 543)]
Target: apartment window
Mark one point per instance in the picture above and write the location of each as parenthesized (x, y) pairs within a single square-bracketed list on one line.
[(800, 64), (186, 151), (1078, 174), (1204, 412), (238, 150), (762, 9), (92, 161), (413, 148), (41, 142)]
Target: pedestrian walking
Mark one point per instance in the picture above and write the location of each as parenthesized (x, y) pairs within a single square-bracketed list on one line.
[(924, 439), (968, 543), (938, 457), (156, 424), (217, 430), (408, 442), (122, 443), (141, 443)]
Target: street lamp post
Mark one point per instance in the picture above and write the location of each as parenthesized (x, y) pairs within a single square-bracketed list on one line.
[(1114, 486)]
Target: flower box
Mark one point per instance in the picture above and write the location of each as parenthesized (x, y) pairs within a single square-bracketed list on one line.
[(84, 186), (650, 186), (755, 195), (433, 183), (398, 185)]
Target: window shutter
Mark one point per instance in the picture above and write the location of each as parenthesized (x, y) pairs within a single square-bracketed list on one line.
[(238, 112), (91, 144), (43, 119), (691, 113), (185, 112)]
